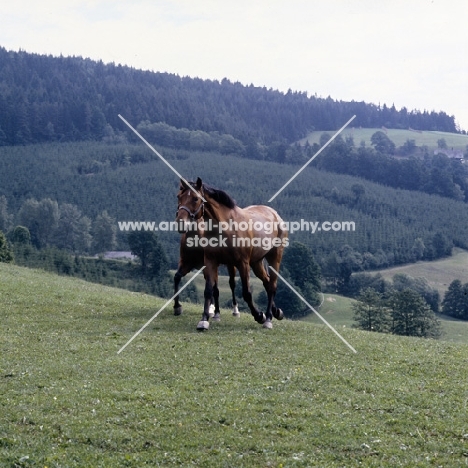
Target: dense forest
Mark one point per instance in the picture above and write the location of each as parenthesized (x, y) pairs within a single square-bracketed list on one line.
[(128, 182), (45, 98)]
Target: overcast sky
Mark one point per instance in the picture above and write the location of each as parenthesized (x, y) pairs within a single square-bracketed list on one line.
[(411, 53)]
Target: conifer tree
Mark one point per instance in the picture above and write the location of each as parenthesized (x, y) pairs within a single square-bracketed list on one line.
[(370, 312), (412, 316), (6, 254)]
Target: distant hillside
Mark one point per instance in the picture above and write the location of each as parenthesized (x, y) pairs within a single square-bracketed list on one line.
[(45, 98), (439, 274), (129, 182), (438, 169)]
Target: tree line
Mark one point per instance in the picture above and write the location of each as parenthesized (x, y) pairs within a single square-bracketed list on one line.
[(45, 98), (44, 223), (60, 239), (401, 312), (434, 174), (418, 170)]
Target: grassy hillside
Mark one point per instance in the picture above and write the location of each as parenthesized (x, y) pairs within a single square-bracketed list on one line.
[(439, 273), (399, 137), (236, 396)]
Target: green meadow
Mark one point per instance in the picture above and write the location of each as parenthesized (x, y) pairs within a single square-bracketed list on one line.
[(439, 273), (236, 396)]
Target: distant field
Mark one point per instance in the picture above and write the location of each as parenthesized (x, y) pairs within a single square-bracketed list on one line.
[(399, 137), (439, 274)]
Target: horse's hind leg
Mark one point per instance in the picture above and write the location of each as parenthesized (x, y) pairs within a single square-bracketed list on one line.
[(244, 271), (232, 285), (261, 273), (274, 259)]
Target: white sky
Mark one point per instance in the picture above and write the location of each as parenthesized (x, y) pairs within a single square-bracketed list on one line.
[(411, 53)]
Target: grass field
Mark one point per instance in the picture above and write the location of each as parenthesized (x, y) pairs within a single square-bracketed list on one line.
[(399, 137), (236, 396)]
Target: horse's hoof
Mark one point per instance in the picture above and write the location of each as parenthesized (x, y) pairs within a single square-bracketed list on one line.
[(268, 325), (217, 317), (203, 325), (261, 318), (235, 312), (278, 314), (178, 310), (211, 311)]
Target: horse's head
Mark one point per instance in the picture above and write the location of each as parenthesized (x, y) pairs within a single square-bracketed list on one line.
[(190, 204)]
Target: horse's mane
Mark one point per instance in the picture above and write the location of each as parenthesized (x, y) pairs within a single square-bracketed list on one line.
[(218, 195)]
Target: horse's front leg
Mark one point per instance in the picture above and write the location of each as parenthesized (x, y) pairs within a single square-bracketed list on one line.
[(211, 279), (216, 316)]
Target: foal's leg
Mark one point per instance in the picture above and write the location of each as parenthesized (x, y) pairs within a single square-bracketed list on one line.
[(232, 285), (244, 270), (211, 284), (180, 273)]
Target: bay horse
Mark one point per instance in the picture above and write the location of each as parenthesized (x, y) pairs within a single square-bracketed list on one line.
[(220, 232), (191, 258)]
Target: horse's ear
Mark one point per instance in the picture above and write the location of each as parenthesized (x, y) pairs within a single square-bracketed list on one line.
[(199, 184), (183, 185)]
